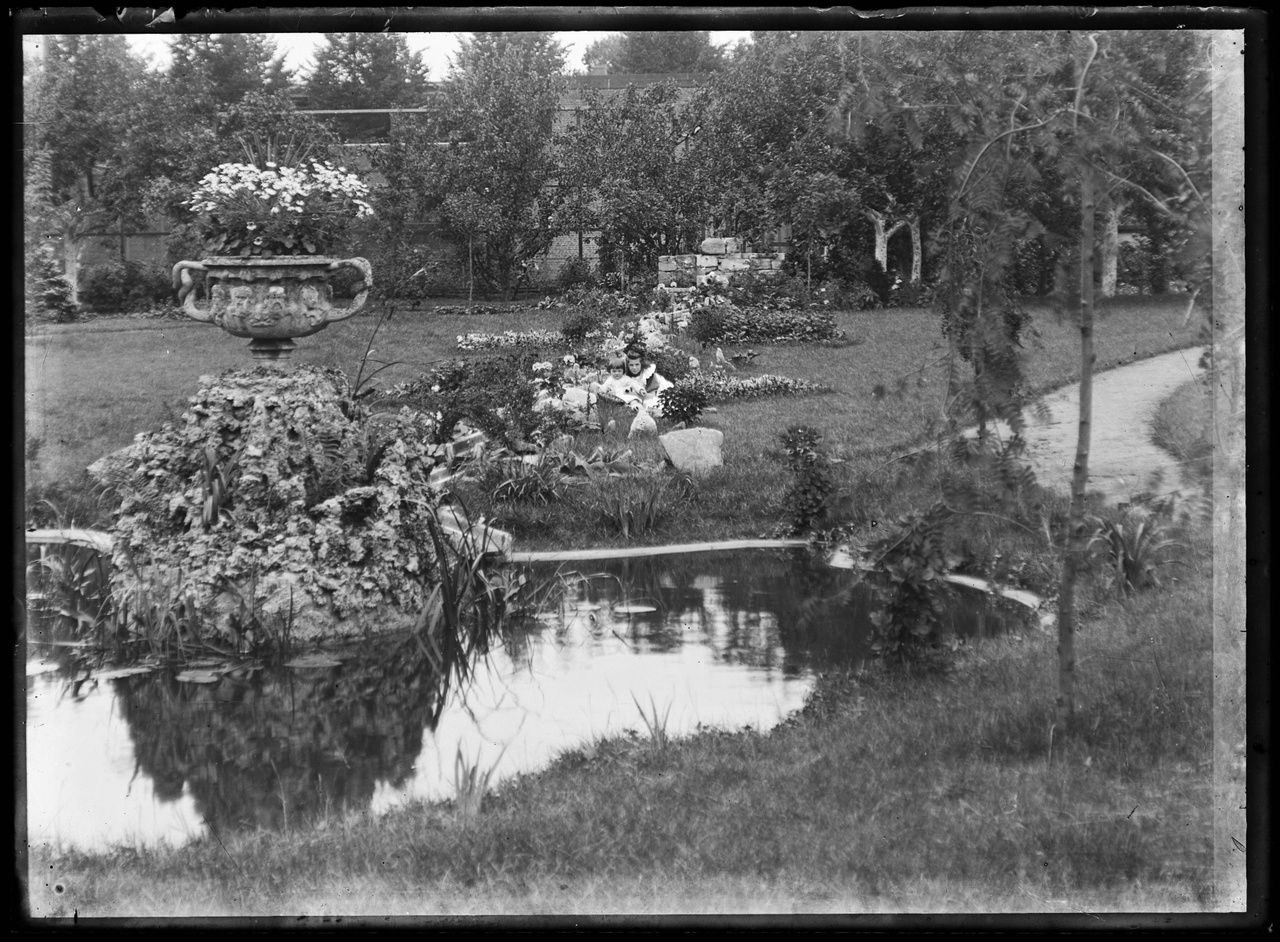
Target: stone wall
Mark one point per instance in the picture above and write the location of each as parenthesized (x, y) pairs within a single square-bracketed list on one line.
[(719, 261)]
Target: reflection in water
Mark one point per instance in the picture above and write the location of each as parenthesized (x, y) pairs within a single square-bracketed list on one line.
[(727, 639)]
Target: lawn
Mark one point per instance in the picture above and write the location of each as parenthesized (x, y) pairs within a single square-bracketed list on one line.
[(90, 388)]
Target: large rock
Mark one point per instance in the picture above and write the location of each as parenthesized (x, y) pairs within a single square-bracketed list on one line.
[(695, 450)]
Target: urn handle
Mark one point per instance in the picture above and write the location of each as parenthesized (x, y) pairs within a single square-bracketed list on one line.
[(366, 272), (186, 287)]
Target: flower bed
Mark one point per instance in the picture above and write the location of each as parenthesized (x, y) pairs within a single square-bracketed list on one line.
[(719, 387)]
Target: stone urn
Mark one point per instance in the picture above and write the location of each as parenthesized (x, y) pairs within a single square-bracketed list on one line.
[(269, 300)]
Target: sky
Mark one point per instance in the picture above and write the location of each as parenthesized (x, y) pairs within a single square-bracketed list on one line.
[(436, 48)]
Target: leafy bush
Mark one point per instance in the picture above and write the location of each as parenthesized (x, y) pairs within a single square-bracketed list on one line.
[(682, 402), (580, 323), (807, 498), (576, 272), (671, 362), (124, 286), (778, 321), (911, 559), (493, 393)]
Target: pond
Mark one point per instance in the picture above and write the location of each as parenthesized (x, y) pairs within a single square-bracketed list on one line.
[(725, 640)]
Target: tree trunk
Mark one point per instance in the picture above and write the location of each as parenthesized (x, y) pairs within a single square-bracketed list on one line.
[(916, 251), (72, 252), (1111, 247), (882, 240), (1077, 538), (471, 276)]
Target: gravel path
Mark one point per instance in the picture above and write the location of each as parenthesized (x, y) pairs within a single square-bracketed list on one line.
[(1123, 460)]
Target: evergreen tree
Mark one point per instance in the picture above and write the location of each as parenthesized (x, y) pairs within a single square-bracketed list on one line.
[(224, 67), (660, 51), (367, 70)]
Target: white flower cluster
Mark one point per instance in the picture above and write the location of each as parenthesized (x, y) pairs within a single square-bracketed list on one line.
[(510, 338), (286, 189)]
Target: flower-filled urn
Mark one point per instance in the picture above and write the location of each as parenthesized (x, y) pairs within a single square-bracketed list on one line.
[(267, 228)]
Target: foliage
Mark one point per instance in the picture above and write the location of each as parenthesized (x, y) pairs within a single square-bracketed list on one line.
[(1133, 547), (576, 272), (366, 70), (806, 499), (634, 506), (225, 67), (320, 505), (537, 483), (79, 102), (489, 186), (683, 402), (277, 208), (493, 393), (719, 321), (633, 176), (655, 51), (124, 286), (47, 290), (912, 559)]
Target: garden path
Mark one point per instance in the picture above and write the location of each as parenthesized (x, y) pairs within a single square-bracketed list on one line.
[(1123, 460)]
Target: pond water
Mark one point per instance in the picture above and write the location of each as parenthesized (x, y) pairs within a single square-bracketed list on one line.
[(725, 640)]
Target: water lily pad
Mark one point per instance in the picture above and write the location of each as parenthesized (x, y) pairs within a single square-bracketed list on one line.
[(313, 661), (124, 672), (197, 677), (633, 609)]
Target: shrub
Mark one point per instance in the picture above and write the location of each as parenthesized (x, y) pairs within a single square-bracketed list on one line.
[(671, 362), (494, 393), (117, 286), (779, 322), (807, 497), (581, 322), (48, 291), (910, 559), (682, 402), (576, 272)]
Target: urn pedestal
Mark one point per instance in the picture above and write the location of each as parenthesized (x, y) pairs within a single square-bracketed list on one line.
[(270, 300)]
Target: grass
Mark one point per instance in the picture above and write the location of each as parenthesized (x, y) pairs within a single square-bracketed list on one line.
[(950, 793), (90, 389)]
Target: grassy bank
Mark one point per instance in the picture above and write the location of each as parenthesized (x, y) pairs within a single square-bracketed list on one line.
[(1183, 426), (950, 793)]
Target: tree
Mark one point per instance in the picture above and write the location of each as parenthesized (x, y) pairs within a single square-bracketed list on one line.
[(1026, 102), (626, 169), (602, 53), (81, 104), (489, 137), (656, 51), (366, 70), (224, 67)]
